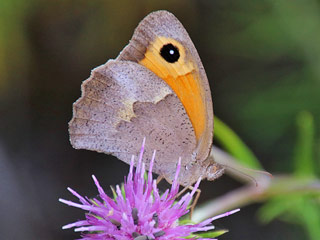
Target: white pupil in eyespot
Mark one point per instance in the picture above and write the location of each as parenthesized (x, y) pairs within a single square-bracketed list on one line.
[(171, 52)]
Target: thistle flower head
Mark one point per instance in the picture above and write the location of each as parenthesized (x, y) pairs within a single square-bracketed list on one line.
[(138, 211)]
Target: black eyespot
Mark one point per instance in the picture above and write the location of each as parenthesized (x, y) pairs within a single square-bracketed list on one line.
[(170, 53)]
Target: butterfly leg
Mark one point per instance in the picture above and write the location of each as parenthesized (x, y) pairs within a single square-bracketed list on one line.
[(182, 191), (197, 195), (195, 201), (159, 179)]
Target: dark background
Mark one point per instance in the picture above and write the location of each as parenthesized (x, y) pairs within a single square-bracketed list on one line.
[(261, 57)]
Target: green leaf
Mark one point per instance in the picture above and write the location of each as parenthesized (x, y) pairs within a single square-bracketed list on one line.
[(299, 208), (277, 206), (211, 234), (234, 145), (296, 209), (123, 192), (185, 220), (310, 218), (113, 193), (303, 152)]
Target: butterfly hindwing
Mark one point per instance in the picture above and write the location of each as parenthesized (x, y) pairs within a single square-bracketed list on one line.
[(123, 102)]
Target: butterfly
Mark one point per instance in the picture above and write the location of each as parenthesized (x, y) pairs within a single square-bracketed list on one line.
[(156, 88)]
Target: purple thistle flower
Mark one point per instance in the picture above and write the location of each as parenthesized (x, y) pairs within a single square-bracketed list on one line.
[(140, 213)]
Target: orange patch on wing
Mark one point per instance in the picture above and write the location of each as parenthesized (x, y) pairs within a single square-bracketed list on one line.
[(184, 80), (188, 92)]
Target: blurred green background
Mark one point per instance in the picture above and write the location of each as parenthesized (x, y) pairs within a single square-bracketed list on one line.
[(263, 62)]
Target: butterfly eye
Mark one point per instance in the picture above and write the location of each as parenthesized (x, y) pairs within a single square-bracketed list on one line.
[(170, 53)]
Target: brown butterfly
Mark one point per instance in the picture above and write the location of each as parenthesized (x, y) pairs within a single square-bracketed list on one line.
[(156, 88)]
